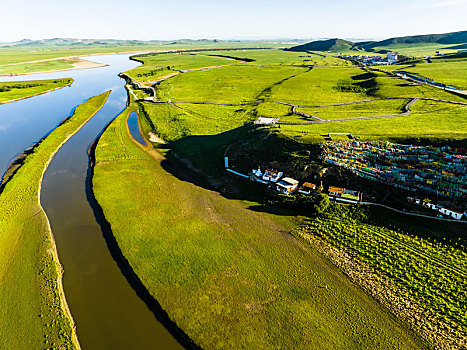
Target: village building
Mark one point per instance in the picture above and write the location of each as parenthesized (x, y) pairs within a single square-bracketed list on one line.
[(262, 121), (272, 175), (392, 57), (335, 191), (307, 188), (424, 169), (339, 192), (437, 207), (287, 185)]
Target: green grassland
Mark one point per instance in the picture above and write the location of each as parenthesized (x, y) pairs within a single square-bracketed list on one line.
[(436, 124), (30, 53), (319, 86), (322, 86), (31, 313), (443, 72), (182, 60), (235, 84), (418, 50), (230, 277), (23, 89), (149, 74), (431, 272), (381, 107), (184, 124), (276, 57)]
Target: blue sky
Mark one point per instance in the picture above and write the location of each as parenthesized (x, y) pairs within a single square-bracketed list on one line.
[(228, 19)]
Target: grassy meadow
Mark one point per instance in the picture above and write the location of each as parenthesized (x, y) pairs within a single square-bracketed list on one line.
[(445, 125), (23, 89), (367, 109), (441, 71), (276, 57), (228, 275), (180, 60), (235, 84), (32, 314), (419, 49), (20, 54)]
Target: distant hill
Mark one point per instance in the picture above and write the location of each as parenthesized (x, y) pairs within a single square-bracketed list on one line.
[(71, 42), (455, 38), (337, 45), (333, 45)]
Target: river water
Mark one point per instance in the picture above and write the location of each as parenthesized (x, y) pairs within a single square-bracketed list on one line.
[(107, 311)]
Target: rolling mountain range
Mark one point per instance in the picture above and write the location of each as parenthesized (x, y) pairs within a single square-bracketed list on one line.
[(457, 39)]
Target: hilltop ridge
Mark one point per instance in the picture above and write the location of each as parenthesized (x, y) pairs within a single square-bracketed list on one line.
[(458, 39)]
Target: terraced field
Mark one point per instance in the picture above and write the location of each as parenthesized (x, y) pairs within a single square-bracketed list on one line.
[(428, 273)]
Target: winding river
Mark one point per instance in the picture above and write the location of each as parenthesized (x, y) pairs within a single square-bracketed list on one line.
[(106, 309)]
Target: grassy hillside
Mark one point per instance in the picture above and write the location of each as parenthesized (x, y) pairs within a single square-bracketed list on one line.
[(229, 276), (32, 314), (446, 39), (332, 45), (25, 89), (414, 45)]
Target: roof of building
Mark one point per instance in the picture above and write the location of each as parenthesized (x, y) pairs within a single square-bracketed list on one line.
[(309, 184), (336, 189), (288, 181), (266, 121), (271, 171)]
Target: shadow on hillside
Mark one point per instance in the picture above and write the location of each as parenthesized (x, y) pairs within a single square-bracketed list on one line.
[(200, 161)]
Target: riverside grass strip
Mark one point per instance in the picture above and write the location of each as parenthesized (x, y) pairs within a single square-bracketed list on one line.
[(33, 311), (18, 90), (228, 276)]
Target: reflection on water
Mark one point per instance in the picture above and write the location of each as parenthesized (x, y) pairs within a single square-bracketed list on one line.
[(133, 126), (24, 122)]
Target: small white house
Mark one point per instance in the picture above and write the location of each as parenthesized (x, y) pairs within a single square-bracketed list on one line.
[(287, 185), (257, 172), (272, 175), (452, 213), (392, 57), (262, 121)]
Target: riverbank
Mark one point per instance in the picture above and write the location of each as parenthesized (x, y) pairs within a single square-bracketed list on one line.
[(228, 275), (32, 299), (62, 82), (122, 262)]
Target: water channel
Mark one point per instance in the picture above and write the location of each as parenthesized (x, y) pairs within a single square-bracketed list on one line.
[(108, 312), (133, 126)]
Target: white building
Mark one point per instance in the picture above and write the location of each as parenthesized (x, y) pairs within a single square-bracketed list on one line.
[(392, 57), (287, 185), (272, 175)]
